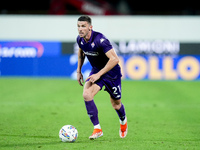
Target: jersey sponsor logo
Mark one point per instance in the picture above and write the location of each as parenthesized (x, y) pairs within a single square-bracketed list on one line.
[(90, 53)]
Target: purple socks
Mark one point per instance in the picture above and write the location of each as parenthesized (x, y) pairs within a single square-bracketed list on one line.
[(121, 113), (92, 111)]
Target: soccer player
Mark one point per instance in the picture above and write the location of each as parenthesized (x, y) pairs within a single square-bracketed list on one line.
[(105, 72)]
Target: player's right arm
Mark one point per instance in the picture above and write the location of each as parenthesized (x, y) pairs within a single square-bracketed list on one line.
[(81, 58)]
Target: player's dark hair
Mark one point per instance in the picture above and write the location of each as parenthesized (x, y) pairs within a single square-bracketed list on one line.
[(85, 18)]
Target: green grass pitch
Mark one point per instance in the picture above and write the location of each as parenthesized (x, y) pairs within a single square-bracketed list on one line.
[(161, 115)]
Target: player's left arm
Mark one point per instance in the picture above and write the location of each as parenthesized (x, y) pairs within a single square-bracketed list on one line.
[(112, 62)]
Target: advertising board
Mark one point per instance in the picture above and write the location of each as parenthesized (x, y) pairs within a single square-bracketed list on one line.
[(150, 60)]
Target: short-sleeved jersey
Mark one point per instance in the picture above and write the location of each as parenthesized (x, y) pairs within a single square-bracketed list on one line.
[(95, 50)]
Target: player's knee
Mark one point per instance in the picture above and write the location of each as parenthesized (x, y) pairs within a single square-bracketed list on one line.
[(87, 95), (116, 106)]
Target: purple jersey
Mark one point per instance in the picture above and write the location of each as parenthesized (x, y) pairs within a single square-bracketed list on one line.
[(95, 50)]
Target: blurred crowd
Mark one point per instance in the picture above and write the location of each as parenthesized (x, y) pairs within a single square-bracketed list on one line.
[(99, 7)]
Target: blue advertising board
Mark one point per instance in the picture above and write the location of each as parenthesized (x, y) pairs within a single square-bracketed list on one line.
[(177, 67), (145, 67), (39, 58), (29, 49)]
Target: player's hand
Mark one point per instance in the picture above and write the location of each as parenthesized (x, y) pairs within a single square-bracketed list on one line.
[(93, 78), (80, 78)]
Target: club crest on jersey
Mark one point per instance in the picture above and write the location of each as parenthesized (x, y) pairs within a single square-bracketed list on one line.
[(93, 45)]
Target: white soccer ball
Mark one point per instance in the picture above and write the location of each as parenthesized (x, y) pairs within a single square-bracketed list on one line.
[(68, 133)]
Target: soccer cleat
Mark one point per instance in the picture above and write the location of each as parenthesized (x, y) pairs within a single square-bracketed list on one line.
[(123, 128), (96, 134)]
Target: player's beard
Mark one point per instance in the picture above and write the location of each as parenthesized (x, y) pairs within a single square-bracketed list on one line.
[(81, 34), (86, 36)]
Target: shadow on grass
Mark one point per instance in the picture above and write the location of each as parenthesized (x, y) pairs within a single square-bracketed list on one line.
[(28, 136), (31, 143), (39, 143)]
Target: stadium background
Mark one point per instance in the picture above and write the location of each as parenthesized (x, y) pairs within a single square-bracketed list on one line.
[(154, 41)]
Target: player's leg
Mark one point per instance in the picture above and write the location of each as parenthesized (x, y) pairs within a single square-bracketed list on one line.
[(90, 90), (119, 107), (113, 87)]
